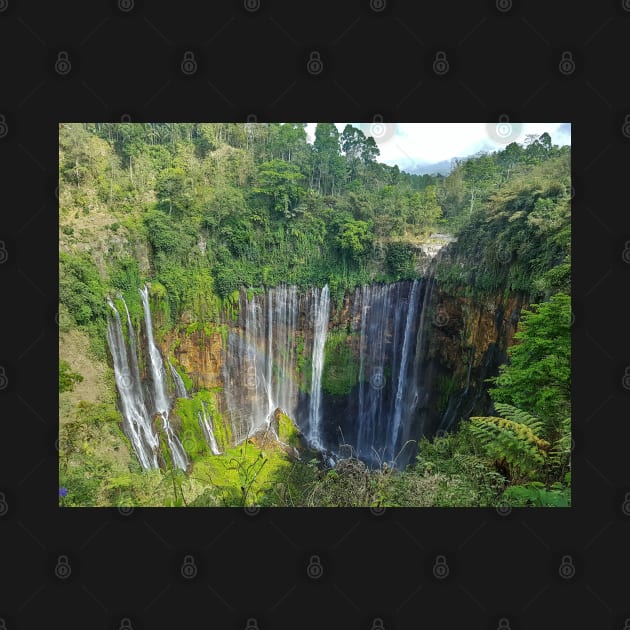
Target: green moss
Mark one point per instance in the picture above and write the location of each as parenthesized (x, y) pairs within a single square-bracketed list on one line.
[(222, 429), (193, 439), (230, 305), (188, 384), (243, 475), (287, 431), (445, 385), (341, 369)]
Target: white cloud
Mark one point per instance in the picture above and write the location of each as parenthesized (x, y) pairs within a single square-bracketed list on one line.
[(422, 143)]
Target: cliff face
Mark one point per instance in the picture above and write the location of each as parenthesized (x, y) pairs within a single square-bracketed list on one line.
[(464, 329), (457, 343), (469, 338), (200, 353)]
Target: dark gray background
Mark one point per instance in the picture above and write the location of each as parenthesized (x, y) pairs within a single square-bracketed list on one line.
[(377, 569)]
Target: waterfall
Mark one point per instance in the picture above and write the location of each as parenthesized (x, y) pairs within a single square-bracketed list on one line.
[(180, 388), (418, 393), (376, 335), (402, 372), (161, 400), (260, 364), (136, 421), (285, 317), (321, 307), (131, 333), (208, 431), (380, 406), (269, 366), (279, 331)]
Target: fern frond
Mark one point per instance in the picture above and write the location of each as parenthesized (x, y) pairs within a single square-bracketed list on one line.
[(522, 431), (518, 415), (560, 452), (514, 442)]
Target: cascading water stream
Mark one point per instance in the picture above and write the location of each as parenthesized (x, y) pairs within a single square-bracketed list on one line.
[(161, 400), (208, 431), (269, 360), (136, 421), (260, 362), (131, 333), (418, 393), (278, 333), (321, 308), (180, 388), (375, 337), (402, 372)]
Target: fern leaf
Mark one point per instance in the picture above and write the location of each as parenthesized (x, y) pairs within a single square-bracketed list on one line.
[(514, 442)]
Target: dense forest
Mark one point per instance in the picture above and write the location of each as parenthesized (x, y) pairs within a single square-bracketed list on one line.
[(210, 216)]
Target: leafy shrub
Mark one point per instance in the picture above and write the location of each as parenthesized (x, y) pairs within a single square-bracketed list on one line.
[(67, 378)]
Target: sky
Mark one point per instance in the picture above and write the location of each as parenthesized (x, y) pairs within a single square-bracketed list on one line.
[(412, 144)]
